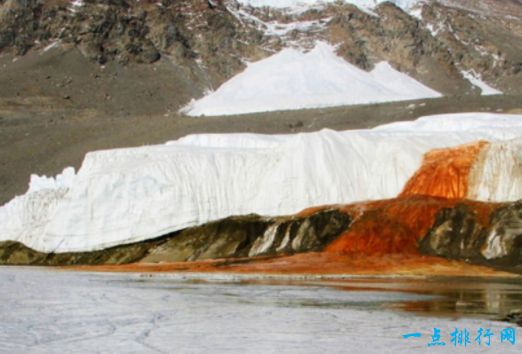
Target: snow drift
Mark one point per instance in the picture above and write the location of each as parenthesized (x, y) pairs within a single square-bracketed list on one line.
[(128, 195), (292, 79), (476, 80)]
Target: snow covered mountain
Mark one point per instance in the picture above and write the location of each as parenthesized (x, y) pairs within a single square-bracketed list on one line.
[(303, 4), (452, 47), (291, 79)]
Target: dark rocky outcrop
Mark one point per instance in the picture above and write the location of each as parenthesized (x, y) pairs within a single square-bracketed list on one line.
[(482, 36), (253, 236), (504, 236), (243, 236), (514, 316), (126, 31), (457, 234), (215, 41), (400, 39)]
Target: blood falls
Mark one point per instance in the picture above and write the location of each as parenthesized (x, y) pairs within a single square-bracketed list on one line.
[(130, 195)]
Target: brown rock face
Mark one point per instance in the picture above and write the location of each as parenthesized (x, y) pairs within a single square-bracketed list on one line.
[(232, 237), (497, 8), (187, 32), (395, 226), (504, 237), (252, 236), (398, 38), (15, 253), (482, 36), (213, 42), (457, 234)]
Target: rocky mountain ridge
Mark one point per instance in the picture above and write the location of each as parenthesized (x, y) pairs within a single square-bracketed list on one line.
[(435, 42)]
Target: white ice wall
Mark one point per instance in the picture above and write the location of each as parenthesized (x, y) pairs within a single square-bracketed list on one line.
[(127, 195), (498, 175)]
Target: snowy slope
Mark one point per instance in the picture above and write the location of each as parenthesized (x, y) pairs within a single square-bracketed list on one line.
[(475, 80), (292, 79), (127, 195), (405, 4)]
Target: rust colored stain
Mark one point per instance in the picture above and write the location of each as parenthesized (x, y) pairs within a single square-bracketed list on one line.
[(382, 240), (395, 226), (313, 210), (316, 264), (445, 172)]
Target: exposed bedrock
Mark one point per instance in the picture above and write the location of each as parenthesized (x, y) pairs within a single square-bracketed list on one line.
[(457, 234), (433, 215), (392, 226), (244, 236), (482, 233), (253, 236), (212, 44)]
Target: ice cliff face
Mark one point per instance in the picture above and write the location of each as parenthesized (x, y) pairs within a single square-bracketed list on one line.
[(129, 195), (480, 171)]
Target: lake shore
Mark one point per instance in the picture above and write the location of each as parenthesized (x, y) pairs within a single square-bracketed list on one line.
[(315, 265)]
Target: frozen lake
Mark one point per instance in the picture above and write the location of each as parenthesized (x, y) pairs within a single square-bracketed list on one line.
[(49, 311)]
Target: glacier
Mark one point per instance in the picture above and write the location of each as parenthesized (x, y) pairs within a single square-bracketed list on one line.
[(292, 79), (127, 195)]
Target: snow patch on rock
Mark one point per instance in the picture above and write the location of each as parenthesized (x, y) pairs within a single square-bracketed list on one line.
[(477, 81), (296, 4)]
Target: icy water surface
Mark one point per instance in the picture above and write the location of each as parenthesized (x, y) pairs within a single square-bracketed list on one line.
[(50, 311)]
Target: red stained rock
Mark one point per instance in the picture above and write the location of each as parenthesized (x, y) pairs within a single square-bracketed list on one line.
[(395, 226)]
